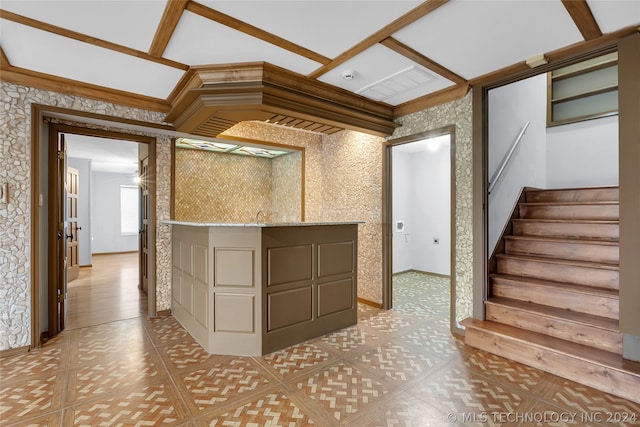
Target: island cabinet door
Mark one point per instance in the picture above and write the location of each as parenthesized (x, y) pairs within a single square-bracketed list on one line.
[(190, 281), (236, 298), (309, 282)]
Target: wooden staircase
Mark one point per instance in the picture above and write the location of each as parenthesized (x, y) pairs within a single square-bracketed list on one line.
[(553, 290)]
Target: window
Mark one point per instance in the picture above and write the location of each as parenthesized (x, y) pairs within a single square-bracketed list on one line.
[(129, 209), (583, 91)]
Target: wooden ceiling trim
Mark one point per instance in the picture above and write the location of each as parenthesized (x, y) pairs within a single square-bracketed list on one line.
[(268, 99), (325, 113), (87, 39), (4, 61), (604, 42), (281, 77), (24, 77), (583, 18), (440, 97), (408, 52), (236, 24), (168, 23), (406, 19), (589, 45)]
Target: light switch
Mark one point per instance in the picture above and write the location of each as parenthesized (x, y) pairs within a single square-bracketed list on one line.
[(4, 192)]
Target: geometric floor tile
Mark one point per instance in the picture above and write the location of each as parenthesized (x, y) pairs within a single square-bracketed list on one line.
[(435, 341), (387, 322), (586, 400), (397, 361), (406, 411), (274, 409), (296, 358), (151, 405), (342, 390), (166, 329), (185, 354), (349, 338), (35, 396), (398, 367), (525, 377), (89, 381), (40, 361), (459, 391), (104, 347), (49, 420), (211, 385)]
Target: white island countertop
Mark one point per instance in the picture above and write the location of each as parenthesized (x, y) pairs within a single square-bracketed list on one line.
[(254, 224)]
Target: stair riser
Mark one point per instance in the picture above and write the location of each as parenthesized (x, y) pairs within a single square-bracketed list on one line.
[(565, 250), (579, 370), (575, 332), (579, 195), (567, 230), (559, 298), (577, 275), (600, 212)]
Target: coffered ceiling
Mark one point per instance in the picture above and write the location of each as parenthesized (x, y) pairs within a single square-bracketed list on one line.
[(401, 54)]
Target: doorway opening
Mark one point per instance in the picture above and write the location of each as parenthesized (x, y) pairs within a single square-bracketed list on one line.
[(104, 227), (420, 205), (99, 229)]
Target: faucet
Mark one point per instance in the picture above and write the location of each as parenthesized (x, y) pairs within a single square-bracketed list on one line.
[(258, 217)]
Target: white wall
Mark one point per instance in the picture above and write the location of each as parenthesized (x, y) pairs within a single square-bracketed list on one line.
[(510, 107), (583, 154), (422, 198), (402, 193), (84, 207), (105, 214)]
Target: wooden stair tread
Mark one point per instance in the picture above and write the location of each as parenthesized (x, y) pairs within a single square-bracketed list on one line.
[(551, 190), (607, 242), (565, 286), (578, 203), (596, 356), (570, 221), (586, 264), (558, 313)]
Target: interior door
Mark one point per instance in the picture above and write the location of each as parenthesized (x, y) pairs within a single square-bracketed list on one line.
[(73, 262), (58, 234), (143, 171)]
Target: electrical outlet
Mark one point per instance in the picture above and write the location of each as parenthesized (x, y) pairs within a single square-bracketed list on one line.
[(4, 192), (436, 241)]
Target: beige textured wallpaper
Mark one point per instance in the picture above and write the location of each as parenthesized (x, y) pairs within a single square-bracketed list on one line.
[(456, 113), (218, 187), (343, 182)]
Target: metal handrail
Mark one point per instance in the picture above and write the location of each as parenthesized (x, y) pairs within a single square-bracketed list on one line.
[(496, 176)]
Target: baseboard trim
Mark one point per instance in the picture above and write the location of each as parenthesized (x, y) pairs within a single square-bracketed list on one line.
[(14, 351), (163, 313), (371, 303), (114, 253), (413, 270)]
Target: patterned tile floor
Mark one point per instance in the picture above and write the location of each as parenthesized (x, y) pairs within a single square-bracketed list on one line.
[(394, 368)]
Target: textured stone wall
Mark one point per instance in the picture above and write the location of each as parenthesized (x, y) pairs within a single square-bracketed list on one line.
[(286, 192), (312, 144), (214, 187), (456, 113), (15, 226), (343, 179), (352, 176)]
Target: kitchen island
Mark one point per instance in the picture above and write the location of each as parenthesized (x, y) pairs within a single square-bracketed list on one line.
[(251, 289)]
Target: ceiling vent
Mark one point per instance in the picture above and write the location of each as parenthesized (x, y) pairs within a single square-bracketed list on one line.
[(397, 84)]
